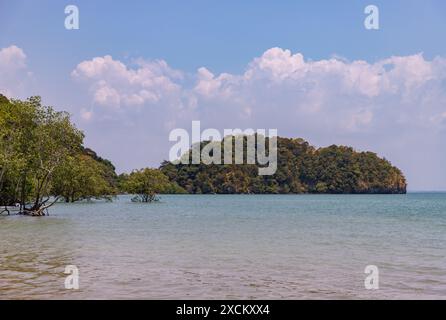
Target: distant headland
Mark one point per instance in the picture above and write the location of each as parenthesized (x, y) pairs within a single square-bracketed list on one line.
[(301, 168)]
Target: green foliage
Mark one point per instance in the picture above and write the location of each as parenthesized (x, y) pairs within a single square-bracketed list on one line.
[(82, 177), (38, 148), (146, 184), (301, 169)]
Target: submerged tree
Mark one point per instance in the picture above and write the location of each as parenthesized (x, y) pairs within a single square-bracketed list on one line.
[(146, 184), (37, 147), (81, 177), (41, 140)]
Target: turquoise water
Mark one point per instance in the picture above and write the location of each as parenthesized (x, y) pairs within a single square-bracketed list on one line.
[(230, 247)]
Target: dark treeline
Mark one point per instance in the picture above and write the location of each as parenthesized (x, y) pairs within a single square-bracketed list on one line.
[(301, 168), (43, 160)]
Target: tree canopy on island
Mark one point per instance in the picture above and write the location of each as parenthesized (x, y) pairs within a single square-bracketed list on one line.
[(301, 168)]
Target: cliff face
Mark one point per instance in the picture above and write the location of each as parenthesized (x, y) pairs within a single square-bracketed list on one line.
[(301, 169)]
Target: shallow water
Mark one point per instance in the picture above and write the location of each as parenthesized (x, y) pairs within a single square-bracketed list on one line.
[(230, 247)]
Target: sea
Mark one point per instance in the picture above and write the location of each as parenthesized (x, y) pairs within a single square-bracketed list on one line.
[(229, 247)]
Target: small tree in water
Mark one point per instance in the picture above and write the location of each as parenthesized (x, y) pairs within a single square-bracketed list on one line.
[(146, 184)]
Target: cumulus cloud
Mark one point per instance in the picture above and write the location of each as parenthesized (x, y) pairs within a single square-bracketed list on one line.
[(387, 106), (345, 96), (115, 85), (13, 71), (280, 85), (12, 58)]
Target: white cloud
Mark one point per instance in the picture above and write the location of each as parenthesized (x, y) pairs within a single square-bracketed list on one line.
[(279, 88), (13, 71), (350, 96), (387, 106), (105, 95), (86, 115), (12, 58), (113, 84)]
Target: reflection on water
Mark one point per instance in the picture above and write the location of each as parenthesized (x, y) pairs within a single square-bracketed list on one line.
[(230, 247)]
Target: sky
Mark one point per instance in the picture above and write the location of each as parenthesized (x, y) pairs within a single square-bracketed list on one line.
[(135, 70)]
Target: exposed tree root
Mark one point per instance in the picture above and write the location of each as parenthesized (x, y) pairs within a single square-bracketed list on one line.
[(5, 210)]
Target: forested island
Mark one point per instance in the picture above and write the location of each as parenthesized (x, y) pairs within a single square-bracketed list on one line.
[(301, 168), (43, 160)]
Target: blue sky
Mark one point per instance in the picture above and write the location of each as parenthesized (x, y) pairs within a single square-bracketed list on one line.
[(223, 35), (226, 37)]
